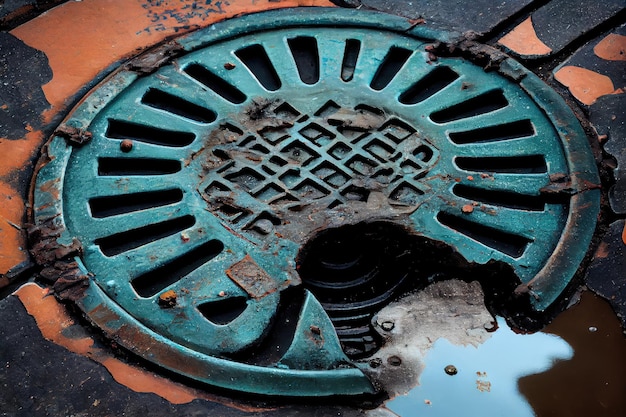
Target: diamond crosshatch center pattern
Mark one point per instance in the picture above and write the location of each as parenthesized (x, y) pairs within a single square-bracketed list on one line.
[(335, 155)]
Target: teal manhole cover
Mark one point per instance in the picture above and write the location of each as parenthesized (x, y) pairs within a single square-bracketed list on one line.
[(237, 205)]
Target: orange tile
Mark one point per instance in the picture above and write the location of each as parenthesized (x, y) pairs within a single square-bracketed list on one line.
[(586, 85), (612, 48), (524, 40)]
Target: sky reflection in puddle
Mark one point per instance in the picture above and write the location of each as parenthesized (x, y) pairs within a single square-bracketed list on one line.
[(486, 382)]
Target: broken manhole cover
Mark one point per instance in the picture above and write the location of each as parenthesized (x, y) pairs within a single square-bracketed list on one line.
[(238, 205)]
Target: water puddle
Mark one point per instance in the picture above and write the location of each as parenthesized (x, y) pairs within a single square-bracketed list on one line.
[(575, 367)]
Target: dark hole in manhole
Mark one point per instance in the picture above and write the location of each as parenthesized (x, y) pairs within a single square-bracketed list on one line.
[(355, 270)]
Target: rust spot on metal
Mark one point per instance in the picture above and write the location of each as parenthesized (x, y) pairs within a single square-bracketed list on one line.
[(168, 299), (74, 136), (229, 66), (252, 278), (152, 60), (487, 57), (51, 187), (467, 209), (57, 260), (416, 22)]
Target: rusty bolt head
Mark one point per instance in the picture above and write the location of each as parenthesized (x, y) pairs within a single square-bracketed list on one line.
[(126, 145), (467, 209), (229, 66), (451, 370)]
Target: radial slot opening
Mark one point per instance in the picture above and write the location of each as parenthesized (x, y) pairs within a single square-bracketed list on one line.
[(224, 311), (119, 129), (389, 68), (505, 131), (350, 57), (132, 239), (429, 85), (526, 164), (107, 206), (305, 53), (157, 279), (172, 104), (507, 243), (255, 58), (482, 104), (501, 198), (207, 78), (137, 166)]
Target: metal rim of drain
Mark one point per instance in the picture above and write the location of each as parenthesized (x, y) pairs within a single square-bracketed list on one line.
[(169, 191)]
